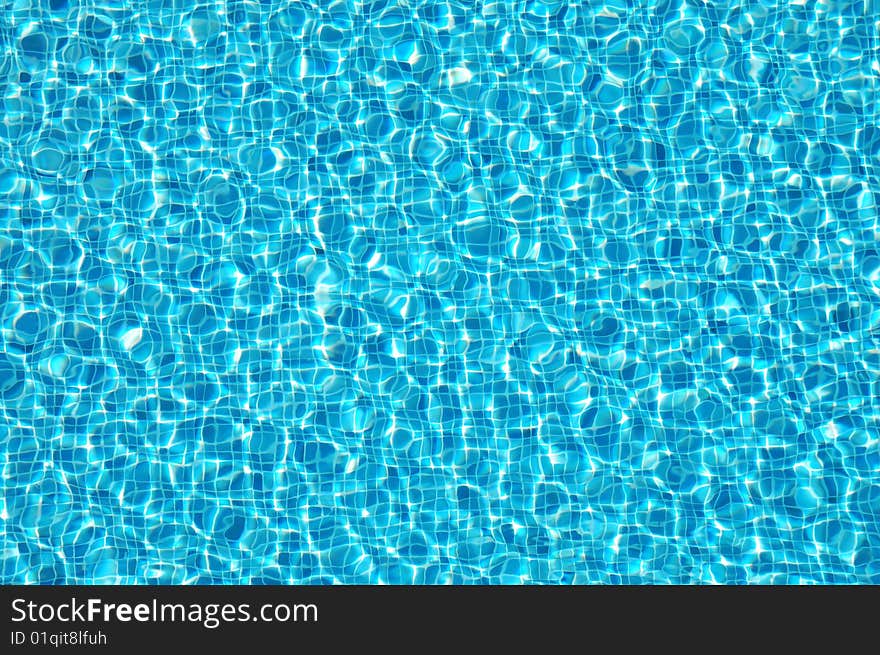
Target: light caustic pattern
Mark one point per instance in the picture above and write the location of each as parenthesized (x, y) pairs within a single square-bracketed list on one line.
[(440, 292)]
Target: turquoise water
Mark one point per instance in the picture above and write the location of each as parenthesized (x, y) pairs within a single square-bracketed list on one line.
[(440, 292)]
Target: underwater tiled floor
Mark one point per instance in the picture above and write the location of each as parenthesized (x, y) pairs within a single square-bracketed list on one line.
[(431, 292)]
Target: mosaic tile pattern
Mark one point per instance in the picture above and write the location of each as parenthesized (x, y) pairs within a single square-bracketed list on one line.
[(434, 292)]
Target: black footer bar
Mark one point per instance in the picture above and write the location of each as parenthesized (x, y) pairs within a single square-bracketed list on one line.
[(273, 619)]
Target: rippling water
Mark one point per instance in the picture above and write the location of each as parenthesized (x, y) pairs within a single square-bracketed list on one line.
[(440, 292)]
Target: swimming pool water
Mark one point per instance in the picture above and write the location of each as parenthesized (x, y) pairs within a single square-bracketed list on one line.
[(431, 292)]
